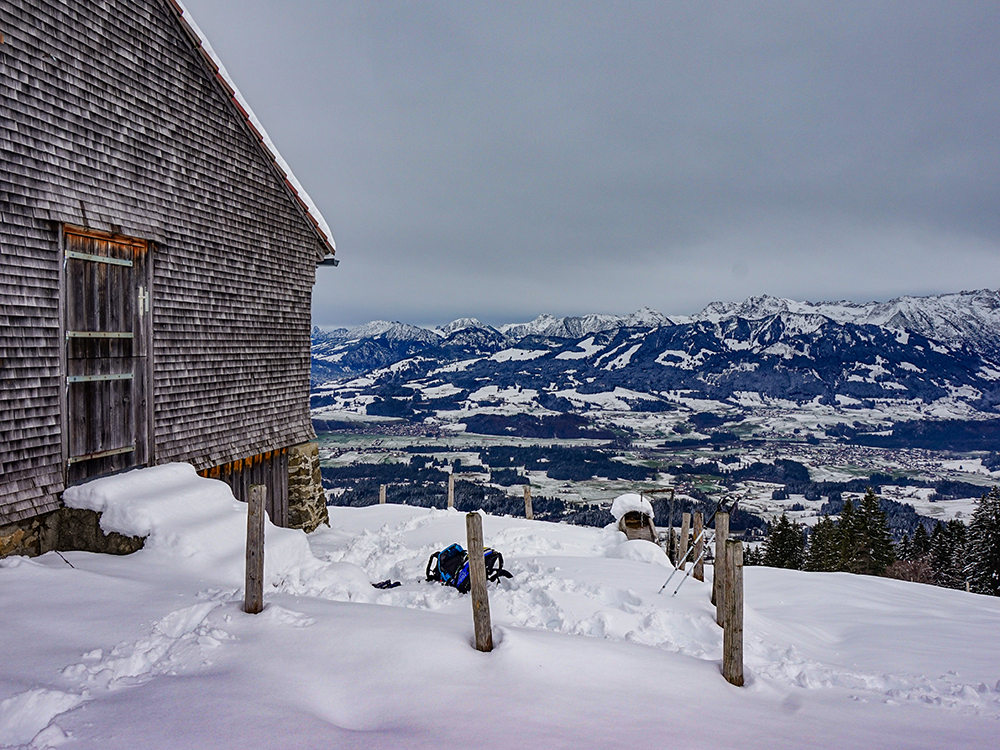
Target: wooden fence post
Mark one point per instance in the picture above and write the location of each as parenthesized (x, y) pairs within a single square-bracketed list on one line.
[(381, 494), (732, 632), (528, 512), (671, 540), (719, 567), (451, 490), (699, 546), (683, 546), (253, 600), (477, 574)]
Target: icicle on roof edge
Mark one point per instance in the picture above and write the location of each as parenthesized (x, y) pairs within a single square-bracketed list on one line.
[(312, 210)]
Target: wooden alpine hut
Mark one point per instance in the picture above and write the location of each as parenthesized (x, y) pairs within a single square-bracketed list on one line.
[(156, 269)]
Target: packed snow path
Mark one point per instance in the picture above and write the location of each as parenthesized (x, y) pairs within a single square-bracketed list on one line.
[(153, 650)]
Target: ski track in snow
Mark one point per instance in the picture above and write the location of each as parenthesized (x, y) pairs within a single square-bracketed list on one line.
[(26, 717), (184, 641), (784, 664), (180, 642)]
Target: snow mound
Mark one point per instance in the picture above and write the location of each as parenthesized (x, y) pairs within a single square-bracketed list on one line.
[(630, 502), (640, 550), (196, 524)]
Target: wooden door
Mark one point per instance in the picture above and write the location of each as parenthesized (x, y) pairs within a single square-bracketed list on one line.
[(107, 325)]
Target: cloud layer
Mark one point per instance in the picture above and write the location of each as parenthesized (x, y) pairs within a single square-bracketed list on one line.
[(504, 159)]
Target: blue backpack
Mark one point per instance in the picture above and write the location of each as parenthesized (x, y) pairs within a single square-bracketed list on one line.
[(450, 566)]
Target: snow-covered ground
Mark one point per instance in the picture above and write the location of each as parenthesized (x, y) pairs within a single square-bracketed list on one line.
[(153, 651), (941, 510)]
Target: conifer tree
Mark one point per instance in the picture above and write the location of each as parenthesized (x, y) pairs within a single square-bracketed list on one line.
[(873, 543), (947, 555), (753, 555), (823, 553), (983, 559), (847, 538), (937, 533), (785, 546), (921, 545), (904, 549), (939, 555)]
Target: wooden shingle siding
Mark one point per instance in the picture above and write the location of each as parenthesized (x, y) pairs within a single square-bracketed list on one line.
[(30, 470), (110, 119)]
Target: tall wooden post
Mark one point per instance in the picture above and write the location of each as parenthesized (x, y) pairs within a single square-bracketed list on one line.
[(528, 512), (682, 548), (671, 540), (253, 601), (719, 568), (451, 490), (477, 575), (732, 633), (699, 546), (381, 494)]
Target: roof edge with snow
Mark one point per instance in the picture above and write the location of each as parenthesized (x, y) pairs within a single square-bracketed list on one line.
[(218, 72)]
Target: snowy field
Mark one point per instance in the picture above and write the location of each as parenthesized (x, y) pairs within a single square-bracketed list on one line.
[(153, 650), (756, 416)]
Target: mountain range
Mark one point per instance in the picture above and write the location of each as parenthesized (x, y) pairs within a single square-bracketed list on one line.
[(917, 350), (970, 318)]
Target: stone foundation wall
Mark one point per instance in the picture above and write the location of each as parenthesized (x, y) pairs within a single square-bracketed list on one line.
[(306, 499), (81, 530), (25, 537), (64, 530)]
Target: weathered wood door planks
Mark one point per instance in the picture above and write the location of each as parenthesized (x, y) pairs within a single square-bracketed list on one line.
[(107, 324)]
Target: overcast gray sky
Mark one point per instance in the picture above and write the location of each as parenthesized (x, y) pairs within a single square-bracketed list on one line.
[(503, 159)]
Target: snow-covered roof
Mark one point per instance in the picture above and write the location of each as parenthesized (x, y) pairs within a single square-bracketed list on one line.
[(298, 192), (628, 503)]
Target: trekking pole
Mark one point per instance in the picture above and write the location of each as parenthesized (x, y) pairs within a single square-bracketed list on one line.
[(690, 550), (691, 570), (711, 518), (683, 559)]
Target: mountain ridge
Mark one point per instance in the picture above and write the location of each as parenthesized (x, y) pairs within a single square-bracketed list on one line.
[(964, 319), (958, 316)]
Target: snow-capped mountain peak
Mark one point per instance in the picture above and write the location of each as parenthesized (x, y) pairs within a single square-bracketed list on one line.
[(392, 330), (460, 325), (647, 317), (537, 327), (752, 308)]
